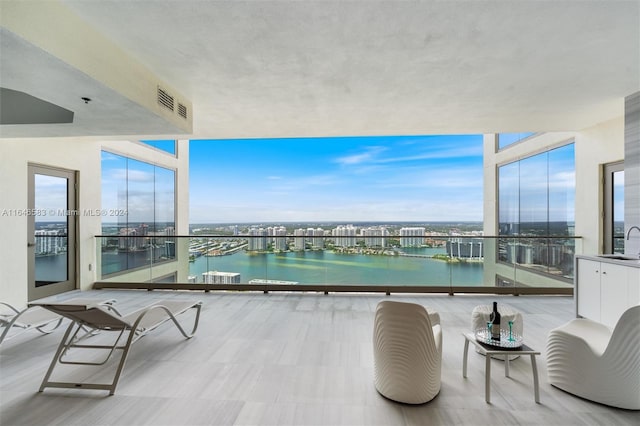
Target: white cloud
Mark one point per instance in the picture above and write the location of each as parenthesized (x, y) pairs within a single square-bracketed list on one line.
[(369, 155)]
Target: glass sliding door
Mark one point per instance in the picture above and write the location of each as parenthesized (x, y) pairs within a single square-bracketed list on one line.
[(51, 231)]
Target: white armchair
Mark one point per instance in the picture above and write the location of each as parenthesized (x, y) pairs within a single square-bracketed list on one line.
[(590, 360), (407, 349)]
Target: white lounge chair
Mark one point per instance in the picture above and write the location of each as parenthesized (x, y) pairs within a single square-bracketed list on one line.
[(407, 350), (590, 360), (15, 321), (132, 326)]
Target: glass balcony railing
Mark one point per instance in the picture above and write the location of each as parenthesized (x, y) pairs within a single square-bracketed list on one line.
[(440, 264)]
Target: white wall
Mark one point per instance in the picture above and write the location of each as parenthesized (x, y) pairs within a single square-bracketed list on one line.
[(82, 155), (632, 173), (595, 146)]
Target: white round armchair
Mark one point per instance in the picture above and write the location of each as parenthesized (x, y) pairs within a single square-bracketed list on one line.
[(590, 360), (407, 350)]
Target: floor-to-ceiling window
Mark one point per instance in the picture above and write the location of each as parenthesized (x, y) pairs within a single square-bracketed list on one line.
[(138, 214), (536, 198)]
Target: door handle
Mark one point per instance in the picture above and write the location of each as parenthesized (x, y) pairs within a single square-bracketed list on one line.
[(31, 244)]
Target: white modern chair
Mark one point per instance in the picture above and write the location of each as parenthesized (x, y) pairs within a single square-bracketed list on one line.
[(592, 361), (407, 349)]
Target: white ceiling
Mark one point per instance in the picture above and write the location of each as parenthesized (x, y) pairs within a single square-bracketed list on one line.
[(33, 71), (322, 68)]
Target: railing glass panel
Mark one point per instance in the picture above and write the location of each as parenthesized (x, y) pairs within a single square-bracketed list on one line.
[(449, 262)]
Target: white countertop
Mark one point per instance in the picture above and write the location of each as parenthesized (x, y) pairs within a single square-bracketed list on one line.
[(618, 259)]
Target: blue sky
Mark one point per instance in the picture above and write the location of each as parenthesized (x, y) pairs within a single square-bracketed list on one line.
[(345, 179)]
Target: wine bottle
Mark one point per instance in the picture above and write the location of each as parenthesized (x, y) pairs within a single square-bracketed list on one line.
[(495, 322)]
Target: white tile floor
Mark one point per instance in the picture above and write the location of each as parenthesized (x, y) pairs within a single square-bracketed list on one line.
[(292, 359)]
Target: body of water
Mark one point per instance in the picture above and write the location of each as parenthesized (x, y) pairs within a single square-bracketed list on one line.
[(309, 267), (51, 268), (326, 267)]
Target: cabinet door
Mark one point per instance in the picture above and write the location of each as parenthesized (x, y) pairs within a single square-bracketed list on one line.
[(614, 293), (588, 289)]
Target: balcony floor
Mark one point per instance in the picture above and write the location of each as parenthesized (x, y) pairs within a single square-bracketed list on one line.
[(292, 359)]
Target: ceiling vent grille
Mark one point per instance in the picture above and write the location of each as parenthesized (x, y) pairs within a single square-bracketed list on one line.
[(165, 99), (182, 111)]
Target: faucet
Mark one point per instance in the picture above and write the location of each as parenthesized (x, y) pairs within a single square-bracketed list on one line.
[(629, 233), (630, 229)]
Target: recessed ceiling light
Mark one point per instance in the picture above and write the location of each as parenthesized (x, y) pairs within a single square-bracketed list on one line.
[(86, 100)]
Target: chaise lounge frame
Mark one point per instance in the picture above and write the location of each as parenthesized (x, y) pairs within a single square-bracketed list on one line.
[(35, 317), (27, 319), (96, 318)]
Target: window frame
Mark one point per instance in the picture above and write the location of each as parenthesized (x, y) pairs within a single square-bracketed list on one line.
[(148, 143), (608, 208), (529, 135)]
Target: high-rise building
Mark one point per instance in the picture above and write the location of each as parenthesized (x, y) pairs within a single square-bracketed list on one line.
[(375, 236), (131, 239), (344, 235), (315, 236), (318, 238), (412, 236), (257, 239), (310, 235), (466, 248), (279, 238), (299, 239), (49, 241)]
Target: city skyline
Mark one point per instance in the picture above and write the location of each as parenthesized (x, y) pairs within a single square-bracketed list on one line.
[(337, 179)]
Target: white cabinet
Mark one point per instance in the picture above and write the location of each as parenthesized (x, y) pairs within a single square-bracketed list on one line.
[(605, 290), (587, 289), (614, 289)]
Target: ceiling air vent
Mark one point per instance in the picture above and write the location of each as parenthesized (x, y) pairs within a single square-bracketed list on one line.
[(182, 110), (165, 99)]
